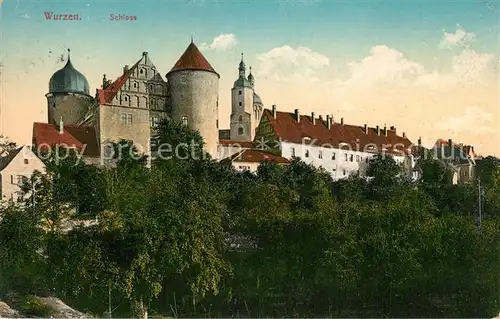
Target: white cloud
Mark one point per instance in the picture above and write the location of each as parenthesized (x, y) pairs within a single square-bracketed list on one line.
[(474, 120), (459, 37), (25, 16), (383, 65), (222, 42), (468, 68), (291, 64)]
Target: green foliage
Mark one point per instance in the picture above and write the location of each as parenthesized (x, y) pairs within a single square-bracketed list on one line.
[(193, 238)]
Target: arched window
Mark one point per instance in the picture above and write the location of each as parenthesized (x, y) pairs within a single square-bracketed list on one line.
[(240, 131), (185, 120), (240, 119)]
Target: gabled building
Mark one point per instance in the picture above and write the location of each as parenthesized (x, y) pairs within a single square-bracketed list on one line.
[(340, 148), (250, 159), (460, 157), (15, 168)]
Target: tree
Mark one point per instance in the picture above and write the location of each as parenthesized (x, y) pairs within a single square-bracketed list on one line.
[(6, 145), (485, 169)]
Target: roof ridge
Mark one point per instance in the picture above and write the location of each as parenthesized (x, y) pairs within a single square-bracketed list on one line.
[(114, 87)]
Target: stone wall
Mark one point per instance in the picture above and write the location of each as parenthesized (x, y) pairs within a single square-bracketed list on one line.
[(194, 94), (72, 107)]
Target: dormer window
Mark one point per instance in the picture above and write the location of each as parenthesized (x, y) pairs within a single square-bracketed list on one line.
[(142, 71)]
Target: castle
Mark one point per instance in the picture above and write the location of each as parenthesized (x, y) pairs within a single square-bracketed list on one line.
[(131, 106)]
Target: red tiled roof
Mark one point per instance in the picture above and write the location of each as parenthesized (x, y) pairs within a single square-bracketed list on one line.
[(243, 144), (289, 130), (192, 59), (47, 135), (257, 156), (107, 95)]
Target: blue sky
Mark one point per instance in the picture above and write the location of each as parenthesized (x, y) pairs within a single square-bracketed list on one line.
[(336, 33)]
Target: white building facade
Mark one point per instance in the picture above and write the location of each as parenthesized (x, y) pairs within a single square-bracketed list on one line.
[(338, 148), (15, 168)]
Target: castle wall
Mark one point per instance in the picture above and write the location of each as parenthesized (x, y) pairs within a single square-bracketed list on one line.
[(127, 123), (72, 107), (194, 94)]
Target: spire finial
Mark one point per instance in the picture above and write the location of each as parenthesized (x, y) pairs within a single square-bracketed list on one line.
[(250, 68), (242, 56), (191, 38), (69, 51)]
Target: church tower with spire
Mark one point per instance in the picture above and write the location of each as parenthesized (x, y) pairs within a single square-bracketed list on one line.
[(246, 106), (68, 98)]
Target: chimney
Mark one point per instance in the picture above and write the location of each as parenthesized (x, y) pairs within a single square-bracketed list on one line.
[(274, 111), (393, 128), (313, 119), (341, 121), (404, 134), (61, 126), (125, 69), (321, 118), (419, 140), (366, 129), (104, 81), (297, 115), (472, 148), (450, 144), (328, 122), (145, 54), (378, 130), (385, 130)]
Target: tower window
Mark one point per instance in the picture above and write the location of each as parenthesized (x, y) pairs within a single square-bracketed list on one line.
[(151, 87), (240, 131), (320, 154), (239, 103), (126, 118), (292, 151), (352, 157), (333, 156), (346, 157), (307, 153), (126, 99), (240, 119), (217, 123), (54, 105), (239, 92), (357, 158), (135, 84), (185, 120)]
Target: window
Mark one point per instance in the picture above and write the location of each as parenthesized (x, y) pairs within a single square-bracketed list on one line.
[(185, 120), (352, 158), (126, 118), (20, 179), (366, 160), (151, 87), (357, 158), (217, 123), (240, 131), (344, 172), (54, 104), (346, 157), (126, 99), (239, 93), (307, 153), (26, 161), (292, 151), (155, 121), (239, 103), (240, 119), (19, 196), (142, 72), (12, 179), (320, 154), (334, 170), (135, 84), (333, 156)]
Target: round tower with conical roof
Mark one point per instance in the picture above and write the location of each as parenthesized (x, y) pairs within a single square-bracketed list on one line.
[(68, 96), (193, 95)]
